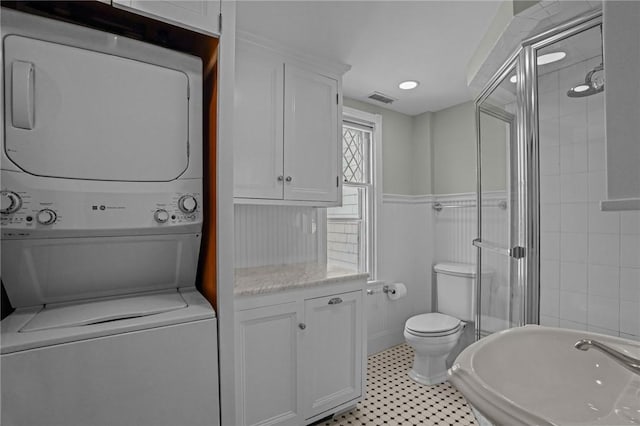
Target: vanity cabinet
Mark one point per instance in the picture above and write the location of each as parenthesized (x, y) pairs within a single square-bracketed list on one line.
[(200, 16), (287, 147), (300, 360), (332, 350)]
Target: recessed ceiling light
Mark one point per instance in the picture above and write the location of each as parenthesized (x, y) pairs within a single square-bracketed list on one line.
[(513, 79), (550, 57), (408, 85)]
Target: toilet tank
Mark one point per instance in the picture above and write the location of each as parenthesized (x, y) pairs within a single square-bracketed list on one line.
[(455, 287)]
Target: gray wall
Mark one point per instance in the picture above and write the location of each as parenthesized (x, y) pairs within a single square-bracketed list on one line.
[(430, 153), (453, 138)]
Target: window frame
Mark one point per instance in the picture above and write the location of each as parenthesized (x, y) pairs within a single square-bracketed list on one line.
[(373, 121)]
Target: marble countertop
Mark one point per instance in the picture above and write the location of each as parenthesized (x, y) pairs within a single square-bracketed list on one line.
[(274, 278)]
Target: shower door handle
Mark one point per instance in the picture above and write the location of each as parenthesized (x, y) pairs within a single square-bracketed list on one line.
[(517, 252)]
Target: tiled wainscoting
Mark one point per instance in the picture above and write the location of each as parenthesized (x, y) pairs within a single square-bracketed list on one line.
[(394, 399)]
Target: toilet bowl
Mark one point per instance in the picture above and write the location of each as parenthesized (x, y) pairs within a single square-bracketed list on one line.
[(432, 336)]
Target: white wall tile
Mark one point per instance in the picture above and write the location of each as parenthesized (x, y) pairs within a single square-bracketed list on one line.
[(549, 189), (630, 222), (630, 284), (549, 321), (603, 222), (550, 217), (573, 325), (630, 318), (573, 306), (604, 281), (604, 249), (573, 158), (604, 312), (574, 187), (573, 277), (594, 329), (597, 159), (549, 245), (549, 160), (572, 123), (549, 274), (630, 336), (573, 247), (630, 251), (597, 186), (549, 302), (573, 217)]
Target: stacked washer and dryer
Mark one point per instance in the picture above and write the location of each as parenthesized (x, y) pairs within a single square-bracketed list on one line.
[(101, 190)]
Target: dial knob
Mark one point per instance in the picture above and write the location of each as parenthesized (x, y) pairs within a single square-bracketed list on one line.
[(11, 202), (188, 203), (46, 217), (161, 216)]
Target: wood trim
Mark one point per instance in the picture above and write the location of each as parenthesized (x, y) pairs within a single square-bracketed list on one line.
[(208, 252)]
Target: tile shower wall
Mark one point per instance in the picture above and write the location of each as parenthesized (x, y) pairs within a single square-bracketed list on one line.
[(274, 235), (590, 259)]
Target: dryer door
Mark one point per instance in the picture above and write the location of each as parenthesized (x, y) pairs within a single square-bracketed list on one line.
[(80, 114)]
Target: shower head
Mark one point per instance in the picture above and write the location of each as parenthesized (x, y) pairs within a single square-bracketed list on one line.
[(593, 83)]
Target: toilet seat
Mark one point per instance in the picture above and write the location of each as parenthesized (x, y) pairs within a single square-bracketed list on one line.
[(433, 324)]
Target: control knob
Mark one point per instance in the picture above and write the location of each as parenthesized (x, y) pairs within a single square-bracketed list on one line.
[(11, 202), (46, 217), (188, 204), (161, 216)]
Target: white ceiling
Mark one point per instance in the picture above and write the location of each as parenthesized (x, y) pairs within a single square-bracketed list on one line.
[(385, 42)]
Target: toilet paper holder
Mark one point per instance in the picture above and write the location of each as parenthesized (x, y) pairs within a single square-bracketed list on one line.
[(386, 289)]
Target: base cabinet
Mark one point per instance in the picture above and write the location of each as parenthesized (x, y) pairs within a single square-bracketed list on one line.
[(332, 348), (301, 360), (268, 352)]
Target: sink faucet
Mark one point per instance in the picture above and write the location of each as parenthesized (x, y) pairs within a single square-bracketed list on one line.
[(631, 364)]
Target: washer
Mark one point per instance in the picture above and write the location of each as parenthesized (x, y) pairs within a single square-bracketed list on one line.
[(101, 219)]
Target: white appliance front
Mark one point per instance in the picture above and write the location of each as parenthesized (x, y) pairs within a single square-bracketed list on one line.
[(158, 369)]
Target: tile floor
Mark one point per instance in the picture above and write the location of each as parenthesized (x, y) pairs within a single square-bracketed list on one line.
[(394, 399)]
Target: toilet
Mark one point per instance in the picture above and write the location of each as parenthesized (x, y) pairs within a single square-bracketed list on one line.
[(434, 335)]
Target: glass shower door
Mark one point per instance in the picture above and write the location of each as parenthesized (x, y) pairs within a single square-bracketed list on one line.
[(500, 258)]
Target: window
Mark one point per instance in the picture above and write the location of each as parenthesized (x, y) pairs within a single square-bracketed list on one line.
[(351, 228)]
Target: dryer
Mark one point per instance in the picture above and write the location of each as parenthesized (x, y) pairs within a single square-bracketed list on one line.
[(100, 219)]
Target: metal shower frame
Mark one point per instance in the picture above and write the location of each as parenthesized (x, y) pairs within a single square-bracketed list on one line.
[(524, 231)]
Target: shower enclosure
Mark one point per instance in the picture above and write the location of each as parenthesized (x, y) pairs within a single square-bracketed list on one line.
[(540, 153)]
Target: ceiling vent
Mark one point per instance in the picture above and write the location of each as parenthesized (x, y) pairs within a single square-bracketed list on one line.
[(377, 96)]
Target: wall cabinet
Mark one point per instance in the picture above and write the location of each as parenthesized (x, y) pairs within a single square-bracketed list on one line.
[(301, 360), (287, 146), (201, 16)]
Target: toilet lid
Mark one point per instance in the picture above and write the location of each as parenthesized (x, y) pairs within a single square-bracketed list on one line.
[(434, 322)]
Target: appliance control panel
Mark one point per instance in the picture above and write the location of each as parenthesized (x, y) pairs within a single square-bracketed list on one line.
[(144, 208)]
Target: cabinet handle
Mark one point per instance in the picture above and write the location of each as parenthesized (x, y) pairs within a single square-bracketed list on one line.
[(335, 301), (302, 326), (288, 178), (280, 178)]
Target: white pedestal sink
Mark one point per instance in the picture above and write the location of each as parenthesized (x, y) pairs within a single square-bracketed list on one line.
[(533, 375)]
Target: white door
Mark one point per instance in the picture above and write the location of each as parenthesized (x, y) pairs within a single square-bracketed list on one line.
[(268, 372), (258, 157), (201, 16), (332, 345), (311, 143)]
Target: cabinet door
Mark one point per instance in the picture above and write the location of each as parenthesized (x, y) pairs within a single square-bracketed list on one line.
[(311, 145), (333, 356), (200, 16), (268, 372), (258, 153)]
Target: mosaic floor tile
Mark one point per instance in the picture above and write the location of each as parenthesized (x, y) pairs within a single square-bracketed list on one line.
[(394, 399)]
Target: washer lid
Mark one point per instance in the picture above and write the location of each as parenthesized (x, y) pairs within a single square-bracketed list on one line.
[(432, 323)]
